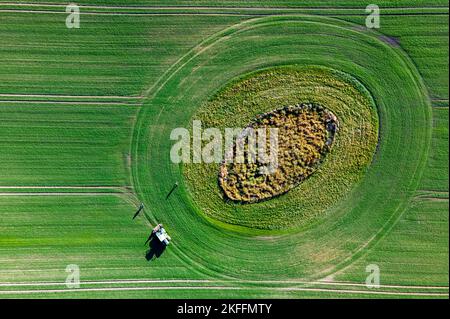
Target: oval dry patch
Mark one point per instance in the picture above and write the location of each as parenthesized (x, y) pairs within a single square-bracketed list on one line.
[(305, 135)]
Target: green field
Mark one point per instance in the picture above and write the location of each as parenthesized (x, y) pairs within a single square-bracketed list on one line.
[(87, 115)]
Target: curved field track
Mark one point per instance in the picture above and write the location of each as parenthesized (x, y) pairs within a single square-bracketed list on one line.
[(353, 225)]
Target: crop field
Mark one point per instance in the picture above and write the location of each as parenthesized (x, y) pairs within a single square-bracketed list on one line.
[(87, 117)]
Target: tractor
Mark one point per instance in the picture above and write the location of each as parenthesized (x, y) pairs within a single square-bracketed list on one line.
[(160, 233)]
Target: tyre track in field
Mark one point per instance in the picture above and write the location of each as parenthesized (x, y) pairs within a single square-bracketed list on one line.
[(204, 46), (398, 214), (130, 97), (314, 286), (58, 194), (218, 10), (61, 187), (85, 193), (154, 89), (270, 289), (186, 7), (99, 13), (67, 102), (207, 281), (285, 289), (71, 99), (71, 191)]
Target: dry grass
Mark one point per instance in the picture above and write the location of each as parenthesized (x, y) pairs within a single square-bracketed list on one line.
[(305, 135)]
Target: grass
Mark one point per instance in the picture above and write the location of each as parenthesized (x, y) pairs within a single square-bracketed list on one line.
[(109, 55), (396, 216), (413, 253), (416, 250), (40, 236), (435, 177), (65, 144)]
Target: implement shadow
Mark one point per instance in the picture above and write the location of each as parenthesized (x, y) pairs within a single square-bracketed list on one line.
[(156, 248)]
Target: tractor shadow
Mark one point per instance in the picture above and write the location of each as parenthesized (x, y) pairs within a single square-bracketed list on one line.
[(156, 248)]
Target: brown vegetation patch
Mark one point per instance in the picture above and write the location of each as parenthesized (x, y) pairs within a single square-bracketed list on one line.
[(305, 135)]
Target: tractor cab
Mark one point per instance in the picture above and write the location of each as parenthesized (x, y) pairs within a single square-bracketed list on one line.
[(160, 233)]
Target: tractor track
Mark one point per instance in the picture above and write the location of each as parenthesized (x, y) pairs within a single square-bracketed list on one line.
[(271, 289), (68, 102), (208, 281), (314, 286), (217, 13), (216, 10), (180, 7), (61, 187), (71, 96), (203, 46), (311, 289), (72, 191), (58, 194)]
